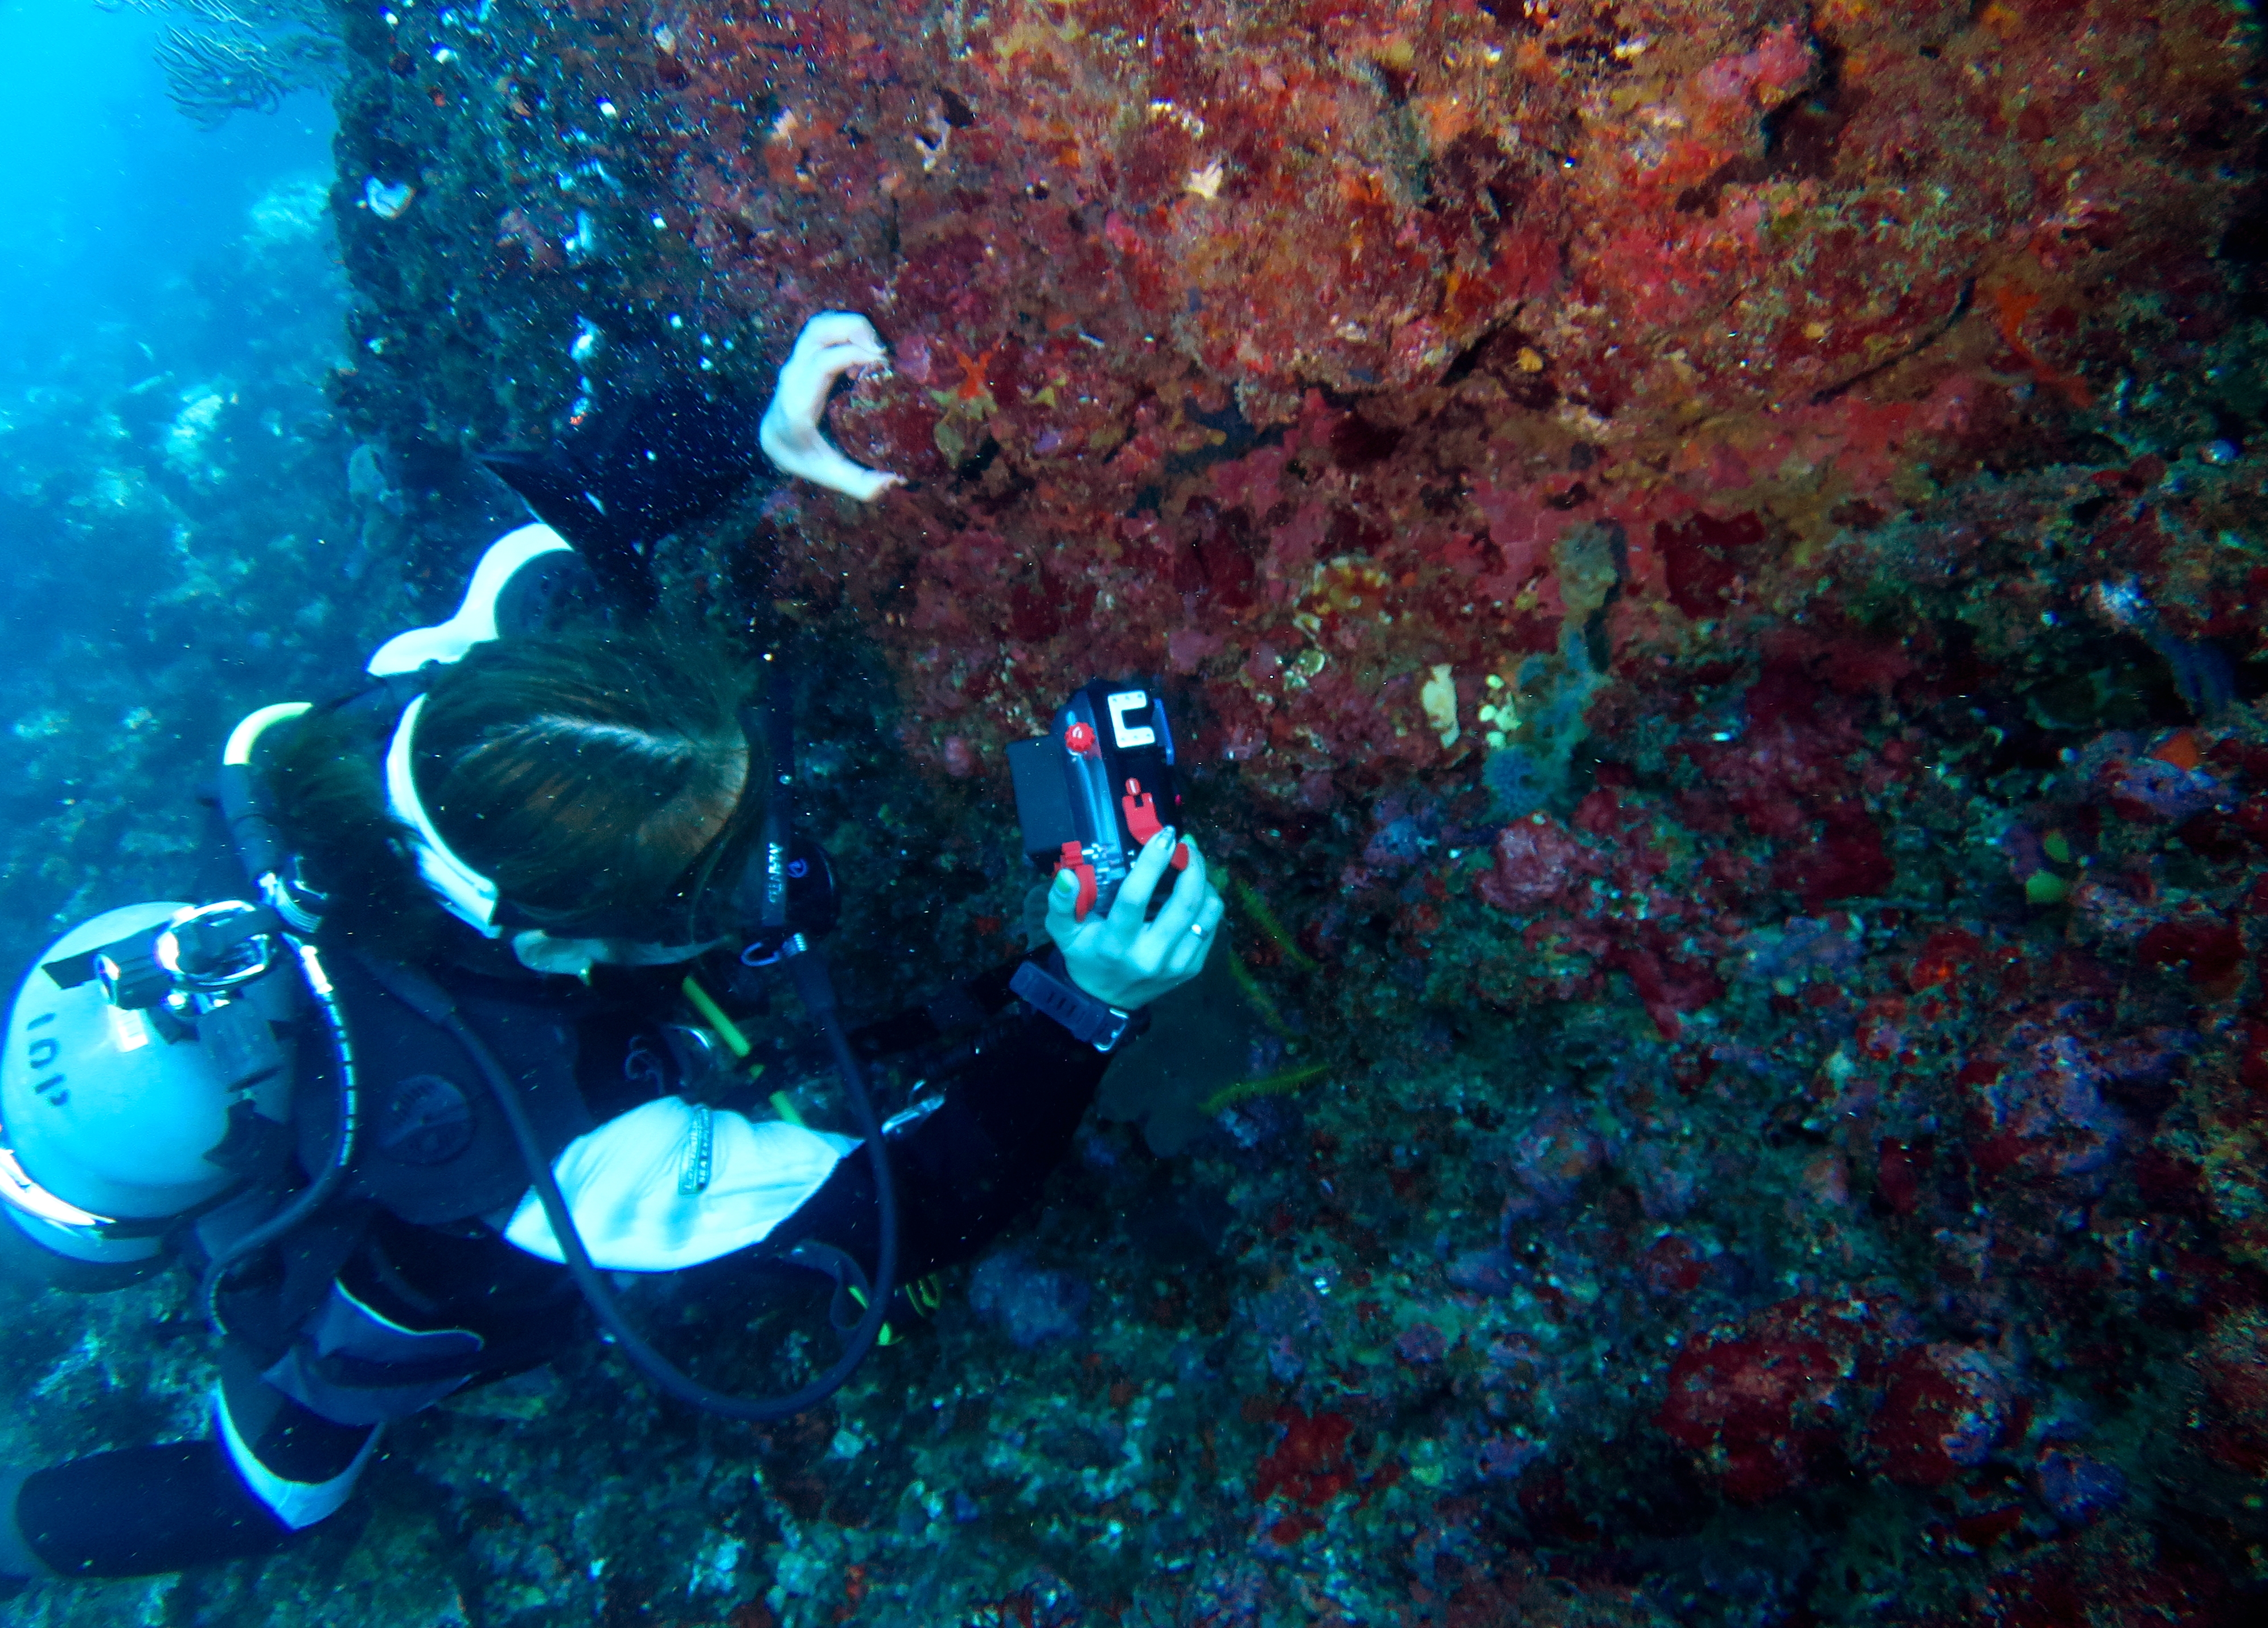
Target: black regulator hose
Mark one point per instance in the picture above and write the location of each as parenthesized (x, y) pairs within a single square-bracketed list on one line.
[(261, 849), (312, 1197), (421, 995)]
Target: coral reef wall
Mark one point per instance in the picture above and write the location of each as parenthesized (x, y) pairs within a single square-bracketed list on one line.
[(1280, 345), (1708, 555)]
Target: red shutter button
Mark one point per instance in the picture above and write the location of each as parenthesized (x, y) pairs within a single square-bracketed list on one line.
[(1079, 738), (1141, 822), (1073, 859)]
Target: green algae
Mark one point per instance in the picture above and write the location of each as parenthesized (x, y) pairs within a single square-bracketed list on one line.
[(1272, 1085), (1274, 931)]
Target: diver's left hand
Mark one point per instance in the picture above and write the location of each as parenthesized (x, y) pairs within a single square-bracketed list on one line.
[(831, 344), (1123, 961)]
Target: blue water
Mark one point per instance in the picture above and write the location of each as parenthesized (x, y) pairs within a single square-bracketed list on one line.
[(113, 201), (174, 531)]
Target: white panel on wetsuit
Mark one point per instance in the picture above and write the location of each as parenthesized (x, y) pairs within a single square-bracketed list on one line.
[(671, 1184), (476, 621)]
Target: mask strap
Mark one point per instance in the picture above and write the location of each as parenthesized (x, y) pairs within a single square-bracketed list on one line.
[(464, 893)]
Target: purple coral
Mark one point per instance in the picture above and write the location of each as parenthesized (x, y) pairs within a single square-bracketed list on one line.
[(2075, 1488), (1031, 1304)]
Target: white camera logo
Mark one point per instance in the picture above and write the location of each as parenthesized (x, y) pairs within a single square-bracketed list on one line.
[(1139, 734)]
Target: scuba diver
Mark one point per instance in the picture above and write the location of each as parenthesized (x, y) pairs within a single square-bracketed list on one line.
[(446, 1056)]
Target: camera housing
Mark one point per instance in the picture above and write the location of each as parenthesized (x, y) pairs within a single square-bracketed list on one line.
[(1098, 787)]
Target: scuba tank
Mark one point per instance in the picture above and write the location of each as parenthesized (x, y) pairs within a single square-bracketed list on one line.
[(148, 1077), (141, 1083)]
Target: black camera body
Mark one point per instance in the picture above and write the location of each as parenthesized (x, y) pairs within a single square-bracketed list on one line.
[(1097, 787)]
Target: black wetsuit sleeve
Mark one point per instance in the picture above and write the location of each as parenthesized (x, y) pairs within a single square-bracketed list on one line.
[(964, 1170)]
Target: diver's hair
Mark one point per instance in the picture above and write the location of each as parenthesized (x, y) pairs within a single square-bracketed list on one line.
[(326, 786), (580, 772)]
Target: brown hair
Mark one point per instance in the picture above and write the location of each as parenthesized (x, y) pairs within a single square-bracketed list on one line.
[(582, 773)]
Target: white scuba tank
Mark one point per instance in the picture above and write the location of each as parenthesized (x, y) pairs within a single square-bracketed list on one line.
[(106, 1113)]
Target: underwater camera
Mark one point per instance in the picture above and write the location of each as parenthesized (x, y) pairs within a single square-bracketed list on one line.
[(1097, 787)]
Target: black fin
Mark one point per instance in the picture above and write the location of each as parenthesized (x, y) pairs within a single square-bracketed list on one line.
[(550, 487), (628, 478), (561, 499)]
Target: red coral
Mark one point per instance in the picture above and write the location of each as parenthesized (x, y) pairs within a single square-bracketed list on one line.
[(1945, 958), (2209, 948), (1702, 558), (1945, 1407), (1849, 861), (1668, 1266), (1310, 1465), (1898, 1170), (1760, 1404), (1667, 985)]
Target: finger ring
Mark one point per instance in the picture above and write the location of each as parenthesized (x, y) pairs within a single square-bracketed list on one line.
[(1198, 928)]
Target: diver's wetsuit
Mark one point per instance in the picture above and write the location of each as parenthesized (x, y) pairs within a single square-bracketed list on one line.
[(404, 1287), (374, 1315)]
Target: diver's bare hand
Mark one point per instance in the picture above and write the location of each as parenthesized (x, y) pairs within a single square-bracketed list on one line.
[(1118, 958), (831, 344)]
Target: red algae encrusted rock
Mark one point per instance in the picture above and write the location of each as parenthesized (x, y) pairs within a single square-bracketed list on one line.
[(1944, 1409), (2233, 1363), (1764, 1404), (1536, 862), (1280, 345)]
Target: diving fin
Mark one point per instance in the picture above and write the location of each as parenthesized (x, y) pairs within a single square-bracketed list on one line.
[(627, 478)]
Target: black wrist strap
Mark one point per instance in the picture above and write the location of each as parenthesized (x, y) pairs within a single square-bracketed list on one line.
[(1055, 996)]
